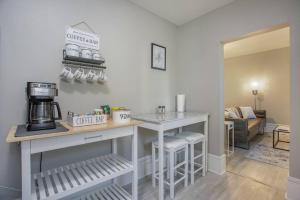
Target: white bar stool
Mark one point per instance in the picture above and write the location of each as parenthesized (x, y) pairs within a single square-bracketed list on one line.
[(194, 138), (172, 146)]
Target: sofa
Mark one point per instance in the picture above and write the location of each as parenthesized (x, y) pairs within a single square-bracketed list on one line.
[(247, 129)]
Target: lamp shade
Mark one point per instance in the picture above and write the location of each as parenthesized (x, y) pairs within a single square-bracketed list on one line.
[(254, 85)]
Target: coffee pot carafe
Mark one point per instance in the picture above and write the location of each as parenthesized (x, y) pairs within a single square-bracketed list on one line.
[(41, 106)]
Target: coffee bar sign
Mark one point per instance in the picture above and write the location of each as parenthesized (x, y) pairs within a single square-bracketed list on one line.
[(82, 38)]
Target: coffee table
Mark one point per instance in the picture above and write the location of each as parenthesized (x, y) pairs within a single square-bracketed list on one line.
[(277, 131)]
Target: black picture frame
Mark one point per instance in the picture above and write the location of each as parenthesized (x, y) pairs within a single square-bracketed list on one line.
[(152, 57)]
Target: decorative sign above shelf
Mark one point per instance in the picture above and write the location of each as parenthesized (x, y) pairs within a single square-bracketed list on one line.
[(81, 56), (82, 39)]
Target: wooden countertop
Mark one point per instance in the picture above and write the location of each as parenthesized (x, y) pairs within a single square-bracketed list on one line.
[(72, 130)]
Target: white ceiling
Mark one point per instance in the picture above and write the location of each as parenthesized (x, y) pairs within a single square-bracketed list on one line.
[(259, 43), (180, 11)]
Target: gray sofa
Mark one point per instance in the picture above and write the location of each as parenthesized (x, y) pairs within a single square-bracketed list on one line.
[(246, 129)]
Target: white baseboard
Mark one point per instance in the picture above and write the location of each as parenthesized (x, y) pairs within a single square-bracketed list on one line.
[(293, 191), (9, 193), (217, 164), (144, 169), (145, 166), (271, 126)]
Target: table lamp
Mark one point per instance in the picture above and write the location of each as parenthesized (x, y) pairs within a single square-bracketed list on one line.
[(254, 85)]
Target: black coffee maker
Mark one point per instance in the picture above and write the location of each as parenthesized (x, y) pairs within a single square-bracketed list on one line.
[(41, 106)]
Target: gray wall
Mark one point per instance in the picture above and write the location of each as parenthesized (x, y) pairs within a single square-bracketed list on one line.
[(201, 62), (31, 42), (127, 32), (271, 69)]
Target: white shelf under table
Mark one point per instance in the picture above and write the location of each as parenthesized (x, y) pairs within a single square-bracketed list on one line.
[(63, 181), (112, 192)]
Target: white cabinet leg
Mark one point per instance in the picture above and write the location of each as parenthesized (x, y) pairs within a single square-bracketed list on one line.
[(206, 146), (161, 164), (180, 129), (135, 164), (114, 146), (114, 149), (153, 165), (203, 158), (26, 170)]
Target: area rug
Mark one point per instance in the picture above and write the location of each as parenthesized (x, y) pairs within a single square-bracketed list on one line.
[(263, 151)]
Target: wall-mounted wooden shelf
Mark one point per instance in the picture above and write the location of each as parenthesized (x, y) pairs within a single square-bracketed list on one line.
[(82, 62)]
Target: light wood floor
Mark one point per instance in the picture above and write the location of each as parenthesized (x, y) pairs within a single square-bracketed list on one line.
[(245, 180)]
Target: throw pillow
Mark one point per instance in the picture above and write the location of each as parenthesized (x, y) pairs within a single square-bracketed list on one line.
[(240, 114), (247, 112), (230, 114), (226, 114), (232, 110)]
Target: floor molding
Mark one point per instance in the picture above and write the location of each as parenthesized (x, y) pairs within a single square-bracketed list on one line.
[(145, 166), (271, 126), (144, 169), (293, 191), (217, 164), (9, 192)]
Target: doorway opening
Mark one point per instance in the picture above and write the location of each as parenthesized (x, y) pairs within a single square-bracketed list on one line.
[(257, 106)]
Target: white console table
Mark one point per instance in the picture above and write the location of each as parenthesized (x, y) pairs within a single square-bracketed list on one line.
[(75, 178), (167, 121)]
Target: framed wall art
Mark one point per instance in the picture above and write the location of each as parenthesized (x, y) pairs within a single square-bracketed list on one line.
[(158, 57)]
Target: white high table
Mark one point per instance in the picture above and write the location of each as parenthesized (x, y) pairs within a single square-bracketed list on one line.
[(167, 121)]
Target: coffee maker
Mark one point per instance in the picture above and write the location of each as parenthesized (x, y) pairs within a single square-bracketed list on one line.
[(41, 106)]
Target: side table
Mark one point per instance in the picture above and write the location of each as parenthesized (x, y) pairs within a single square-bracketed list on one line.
[(229, 129), (277, 131)]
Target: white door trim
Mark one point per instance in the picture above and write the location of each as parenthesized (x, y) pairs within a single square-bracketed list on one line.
[(293, 191)]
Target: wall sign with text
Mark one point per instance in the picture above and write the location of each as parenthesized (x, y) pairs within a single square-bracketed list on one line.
[(82, 38)]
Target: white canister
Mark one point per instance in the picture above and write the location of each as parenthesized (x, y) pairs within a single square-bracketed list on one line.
[(180, 103), (96, 55), (121, 116), (86, 53), (72, 50)]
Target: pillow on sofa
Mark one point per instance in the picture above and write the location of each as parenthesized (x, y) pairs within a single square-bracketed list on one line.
[(234, 113), (248, 112), (226, 114), (239, 112), (230, 113)]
